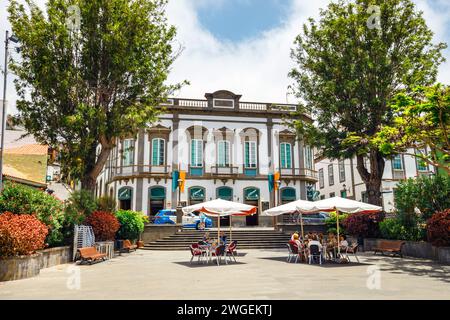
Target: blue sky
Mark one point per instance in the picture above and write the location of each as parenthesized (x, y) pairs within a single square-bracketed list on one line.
[(244, 45), (237, 20)]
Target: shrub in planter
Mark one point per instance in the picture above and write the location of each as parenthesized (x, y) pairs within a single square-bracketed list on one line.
[(21, 234), (106, 203), (104, 224), (131, 224), (438, 229), (363, 224), (20, 199), (394, 229), (331, 223)]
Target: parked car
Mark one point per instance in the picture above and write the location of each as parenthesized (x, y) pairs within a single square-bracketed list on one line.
[(192, 220), (316, 217), (166, 216)]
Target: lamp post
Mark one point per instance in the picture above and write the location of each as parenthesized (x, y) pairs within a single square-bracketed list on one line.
[(15, 40), (179, 212)]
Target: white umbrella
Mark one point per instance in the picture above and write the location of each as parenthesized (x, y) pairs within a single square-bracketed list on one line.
[(339, 204), (221, 208), (296, 206)]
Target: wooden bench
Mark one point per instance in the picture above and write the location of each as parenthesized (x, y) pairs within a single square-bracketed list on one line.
[(90, 255), (392, 246), (128, 246)]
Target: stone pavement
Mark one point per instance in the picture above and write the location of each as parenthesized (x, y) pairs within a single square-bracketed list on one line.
[(259, 274)]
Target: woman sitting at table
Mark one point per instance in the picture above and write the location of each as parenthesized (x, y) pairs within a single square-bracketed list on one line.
[(331, 245), (343, 243), (296, 240), (206, 240), (223, 238)]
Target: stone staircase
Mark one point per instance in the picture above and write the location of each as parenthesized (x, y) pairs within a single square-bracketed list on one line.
[(246, 238)]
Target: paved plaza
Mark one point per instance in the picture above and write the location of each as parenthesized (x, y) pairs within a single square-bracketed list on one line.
[(259, 274)]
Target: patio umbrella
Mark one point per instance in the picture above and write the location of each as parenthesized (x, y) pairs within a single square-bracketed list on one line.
[(339, 204), (221, 208), (292, 207)]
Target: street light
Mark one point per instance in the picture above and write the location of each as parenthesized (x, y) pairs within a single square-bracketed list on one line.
[(13, 39)]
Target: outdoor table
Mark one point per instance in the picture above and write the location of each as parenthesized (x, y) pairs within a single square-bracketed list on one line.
[(206, 249)]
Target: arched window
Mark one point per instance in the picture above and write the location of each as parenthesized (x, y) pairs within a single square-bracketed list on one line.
[(224, 193), (197, 195), (125, 196), (158, 151), (286, 155), (288, 195)]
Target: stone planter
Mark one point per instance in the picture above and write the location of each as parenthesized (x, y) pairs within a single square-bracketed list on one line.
[(20, 267), (55, 256), (29, 266)]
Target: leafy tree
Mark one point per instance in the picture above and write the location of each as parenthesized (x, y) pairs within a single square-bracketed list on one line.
[(90, 74), (350, 64), (421, 119)]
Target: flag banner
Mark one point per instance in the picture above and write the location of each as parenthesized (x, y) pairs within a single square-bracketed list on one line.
[(271, 182), (182, 177), (175, 177)]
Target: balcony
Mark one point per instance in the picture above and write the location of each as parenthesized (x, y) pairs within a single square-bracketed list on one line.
[(224, 172), (304, 173), (140, 170)]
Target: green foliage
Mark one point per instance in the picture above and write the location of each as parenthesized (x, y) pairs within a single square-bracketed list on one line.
[(363, 224), (106, 203), (131, 224), (20, 199), (394, 229), (428, 194), (81, 87), (346, 73), (420, 119), (331, 223)]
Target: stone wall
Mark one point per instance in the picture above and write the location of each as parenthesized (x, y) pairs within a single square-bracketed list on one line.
[(29, 266), (55, 256), (153, 232), (416, 249), (291, 228)]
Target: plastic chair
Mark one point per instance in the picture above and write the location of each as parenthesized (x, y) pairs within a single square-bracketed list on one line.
[(315, 252), (231, 250), (219, 253), (196, 252)]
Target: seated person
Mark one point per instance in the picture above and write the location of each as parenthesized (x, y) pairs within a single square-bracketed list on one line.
[(296, 240), (223, 238), (294, 235), (315, 241), (206, 240), (343, 243)]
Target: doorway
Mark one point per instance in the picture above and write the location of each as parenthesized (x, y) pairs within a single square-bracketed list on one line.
[(157, 201), (252, 221)]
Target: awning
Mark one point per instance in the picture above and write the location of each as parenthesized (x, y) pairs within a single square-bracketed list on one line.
[(221, 208), (125, 194)]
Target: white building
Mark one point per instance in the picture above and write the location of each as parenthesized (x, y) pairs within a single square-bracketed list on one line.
[(227, 148), (341, 178)]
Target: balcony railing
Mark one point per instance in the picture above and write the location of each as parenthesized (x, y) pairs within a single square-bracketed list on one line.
[(246, 106), (302, 172), (140, 169), (224, 171)]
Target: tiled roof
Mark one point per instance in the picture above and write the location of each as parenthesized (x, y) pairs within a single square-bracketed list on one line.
[(28, 149)]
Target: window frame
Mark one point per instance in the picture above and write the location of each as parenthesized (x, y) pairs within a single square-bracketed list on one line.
[(250, 165), (331, 176), (227, 154), (128, 153), (341, 169), (158, 144), (287, 160), (196, 164)]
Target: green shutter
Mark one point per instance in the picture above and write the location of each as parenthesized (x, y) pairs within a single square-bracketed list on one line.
[(225, 193), (247, 154), (197, 193), (124, 194), (157, 193), (288, 194), (251, 194), (288, 156)]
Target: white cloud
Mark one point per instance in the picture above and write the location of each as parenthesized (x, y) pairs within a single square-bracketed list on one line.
[(256, 68)]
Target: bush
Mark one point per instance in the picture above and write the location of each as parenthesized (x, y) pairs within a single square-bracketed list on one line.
[(131, 224), (82, 203), (104, 225), (331, 223), (21, 234), (364, 224), (438, 229), (428, 194), (20, 199), (394, 229), (106, 203)]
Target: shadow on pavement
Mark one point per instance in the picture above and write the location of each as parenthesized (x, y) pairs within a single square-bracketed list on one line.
[(324, 265), (212, 264), (416, 267)]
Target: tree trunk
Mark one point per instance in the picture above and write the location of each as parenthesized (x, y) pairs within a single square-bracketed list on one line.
[(372, 179), (95, 166)]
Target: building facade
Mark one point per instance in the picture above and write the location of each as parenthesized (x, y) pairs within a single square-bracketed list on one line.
[(227, 149), (341, 178)]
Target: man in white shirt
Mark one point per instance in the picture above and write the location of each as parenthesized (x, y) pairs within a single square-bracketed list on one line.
[(315, 241)]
